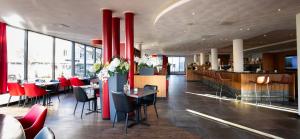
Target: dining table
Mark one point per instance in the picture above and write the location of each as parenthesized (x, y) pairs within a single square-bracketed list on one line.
[(10, 128), (138, 94), (45, 85)]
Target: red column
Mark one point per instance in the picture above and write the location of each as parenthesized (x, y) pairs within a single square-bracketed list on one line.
[(129, 42), (106, 40), (116, 36)]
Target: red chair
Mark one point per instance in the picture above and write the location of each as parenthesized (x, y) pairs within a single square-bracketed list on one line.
[(15, 89), (76, 82), (33, 91), (64, 83), (34, 120)]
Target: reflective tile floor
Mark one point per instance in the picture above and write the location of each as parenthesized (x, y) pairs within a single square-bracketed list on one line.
[(174, 120)]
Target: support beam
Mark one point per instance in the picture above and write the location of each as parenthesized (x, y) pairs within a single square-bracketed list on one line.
[(129, 43), (116, 37), (214, 59), (107, 53), (238, 55), (298, 56), (202, 59)]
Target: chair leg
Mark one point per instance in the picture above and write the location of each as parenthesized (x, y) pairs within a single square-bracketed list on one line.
[(75, 107), (19, 100), (268, 89), (145, 111), (26, 99), (58, 98), (255, 94), (126, 124), (82, 110), (155, 110), (8, 101), (114, 119)]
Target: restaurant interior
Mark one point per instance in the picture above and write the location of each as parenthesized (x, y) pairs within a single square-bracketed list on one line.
[(183, 69)]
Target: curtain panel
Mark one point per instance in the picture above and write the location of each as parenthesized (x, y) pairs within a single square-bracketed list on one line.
[(3, 59)]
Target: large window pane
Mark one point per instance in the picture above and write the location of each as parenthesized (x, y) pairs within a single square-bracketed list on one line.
[(79, 59), (15, 53), (182, 64), (98, 55), (40, 53), (63, 56), (90, 55)]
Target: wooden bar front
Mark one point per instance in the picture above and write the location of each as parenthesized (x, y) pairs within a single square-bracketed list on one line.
[(159, 80)]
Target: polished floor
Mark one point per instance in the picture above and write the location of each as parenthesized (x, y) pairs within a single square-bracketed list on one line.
[(175, 120)]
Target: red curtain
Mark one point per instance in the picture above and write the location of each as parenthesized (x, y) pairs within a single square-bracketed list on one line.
[(3, 59)]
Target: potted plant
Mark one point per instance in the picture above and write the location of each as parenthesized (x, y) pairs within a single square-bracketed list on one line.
[(146, 65), (115, 73)]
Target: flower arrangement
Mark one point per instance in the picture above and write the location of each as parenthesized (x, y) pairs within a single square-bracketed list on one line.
[(117, 65), (96, 68), (146, 61)]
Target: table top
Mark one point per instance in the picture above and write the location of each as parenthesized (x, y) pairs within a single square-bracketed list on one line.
[(90, 86), (46, 83), (140, 93), (10, 128)]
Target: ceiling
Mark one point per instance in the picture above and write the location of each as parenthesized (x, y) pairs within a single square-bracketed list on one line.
[(173, 27)]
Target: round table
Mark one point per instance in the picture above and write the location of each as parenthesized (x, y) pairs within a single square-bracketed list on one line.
[(10, 128)]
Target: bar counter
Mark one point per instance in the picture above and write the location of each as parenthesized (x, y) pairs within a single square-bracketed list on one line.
[(241, 82)]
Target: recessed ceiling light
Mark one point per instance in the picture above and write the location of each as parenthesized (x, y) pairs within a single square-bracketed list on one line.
[(193, 13), (203, 39), (241, 28), (248, 29), (265, 35), (278, 10)]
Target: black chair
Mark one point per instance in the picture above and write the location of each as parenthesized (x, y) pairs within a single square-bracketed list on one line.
[(45, 133), (52, 89), (81, 96), (149, 100), (122, 105)]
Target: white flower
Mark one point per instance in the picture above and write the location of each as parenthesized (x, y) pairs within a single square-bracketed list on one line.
[(116, 62), (111, 68)]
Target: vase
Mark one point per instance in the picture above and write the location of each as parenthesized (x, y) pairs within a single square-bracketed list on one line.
[(116, 84), (146, 71)]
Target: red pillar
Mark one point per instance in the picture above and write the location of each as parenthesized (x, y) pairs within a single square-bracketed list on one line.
[(107, 41), (129, 42), (116, 36)]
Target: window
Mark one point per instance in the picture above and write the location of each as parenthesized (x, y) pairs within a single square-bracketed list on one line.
[(15, 53), (177, 65), (79, 59), (40, 54), (98, 55), (63, 56), (90, 56)]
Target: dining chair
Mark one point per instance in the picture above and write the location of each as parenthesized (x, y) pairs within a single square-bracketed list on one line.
[(34, 120), (76, 82), (81, 96), (45, 133), (122, 105), (15, 89), (64, 83), (149, 100), (33, 91), (53, 89)]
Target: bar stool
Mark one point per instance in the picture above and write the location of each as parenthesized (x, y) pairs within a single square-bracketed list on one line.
[(221, 82), (261, 81)]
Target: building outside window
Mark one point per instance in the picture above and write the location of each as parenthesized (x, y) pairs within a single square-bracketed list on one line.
[(63, 56), (15, 53), (90, 55), (79, 59), (40, 55)]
